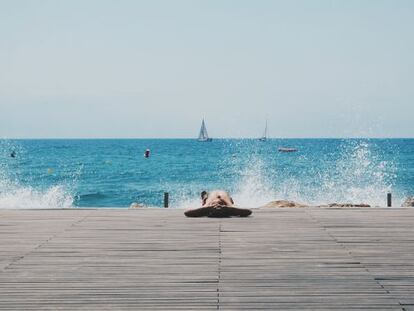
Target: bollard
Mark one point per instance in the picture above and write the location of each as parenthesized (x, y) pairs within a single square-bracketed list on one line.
[(165, 199), (389, 199)]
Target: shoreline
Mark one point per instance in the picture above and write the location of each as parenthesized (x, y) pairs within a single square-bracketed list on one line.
[(183, 208)]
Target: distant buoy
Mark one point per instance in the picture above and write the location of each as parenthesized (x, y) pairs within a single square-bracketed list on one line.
[(147, 153)]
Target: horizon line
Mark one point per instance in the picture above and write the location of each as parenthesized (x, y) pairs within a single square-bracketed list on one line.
[(192, 138)]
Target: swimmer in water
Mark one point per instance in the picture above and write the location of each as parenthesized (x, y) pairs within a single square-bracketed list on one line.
[(217, 203), (13, 154)]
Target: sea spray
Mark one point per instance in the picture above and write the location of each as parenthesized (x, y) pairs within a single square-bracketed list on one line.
[(360, 175), (254, 188), (322, 171), (26, 197), (16, 194), (354, 171)]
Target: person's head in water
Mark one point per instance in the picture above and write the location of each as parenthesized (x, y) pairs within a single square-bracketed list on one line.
[(216, 198), (13, 154)]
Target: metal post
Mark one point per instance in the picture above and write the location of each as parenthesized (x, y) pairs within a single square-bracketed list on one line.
[(165, 199), (389, 199)]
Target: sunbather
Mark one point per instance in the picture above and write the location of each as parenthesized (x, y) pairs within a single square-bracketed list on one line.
[(217, 203)]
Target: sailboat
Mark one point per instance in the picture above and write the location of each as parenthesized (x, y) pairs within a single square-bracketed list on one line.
[(203, 135), (264, 137)]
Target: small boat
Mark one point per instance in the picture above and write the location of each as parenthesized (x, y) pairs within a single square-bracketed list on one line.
[(264, 137), (203, 135), (284, 149)]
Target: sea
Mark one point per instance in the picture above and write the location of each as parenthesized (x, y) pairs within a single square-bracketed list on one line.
[(102, 173)]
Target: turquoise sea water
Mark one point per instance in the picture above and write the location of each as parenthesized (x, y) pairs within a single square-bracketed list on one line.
[(114, 172)]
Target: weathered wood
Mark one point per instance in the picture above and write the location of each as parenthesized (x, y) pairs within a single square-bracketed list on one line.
[(310, 258)]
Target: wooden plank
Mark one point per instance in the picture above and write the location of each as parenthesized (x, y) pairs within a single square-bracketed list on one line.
[(294, 259)]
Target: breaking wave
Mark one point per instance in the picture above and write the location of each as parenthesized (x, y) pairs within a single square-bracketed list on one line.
[(27, 197), (15, 195), (351, 171), (355, 173)]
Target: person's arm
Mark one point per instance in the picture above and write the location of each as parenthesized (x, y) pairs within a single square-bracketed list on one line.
[(198, 212), (218, 211)]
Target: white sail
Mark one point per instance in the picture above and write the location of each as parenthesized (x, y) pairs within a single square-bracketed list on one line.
[(264, 137), (203, 135)]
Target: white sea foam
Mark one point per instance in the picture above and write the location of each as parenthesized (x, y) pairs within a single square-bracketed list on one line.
[(27, 197), (359, 175), (187, 202), (14, 195), (254, 188)]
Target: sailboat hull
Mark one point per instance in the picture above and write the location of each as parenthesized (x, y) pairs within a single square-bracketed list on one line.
[(205, 140)]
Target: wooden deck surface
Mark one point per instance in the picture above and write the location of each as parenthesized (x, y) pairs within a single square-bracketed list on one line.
[(148, 259)]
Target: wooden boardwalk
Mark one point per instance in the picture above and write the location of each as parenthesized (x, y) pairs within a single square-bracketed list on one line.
[(147, 259)]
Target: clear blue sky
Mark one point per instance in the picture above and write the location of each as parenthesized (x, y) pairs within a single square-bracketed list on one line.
[(155, 68)]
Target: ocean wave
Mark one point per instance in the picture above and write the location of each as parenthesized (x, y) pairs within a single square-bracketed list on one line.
[(16, 195), (350, 171), (358, 175), (27, 197)]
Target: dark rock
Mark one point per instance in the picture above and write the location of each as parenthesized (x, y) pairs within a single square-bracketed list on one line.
[(409, 202), (136, 205), (285, 203), (346, 205)]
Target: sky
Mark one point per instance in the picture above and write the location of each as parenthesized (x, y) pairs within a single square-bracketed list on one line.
[(154, 69)]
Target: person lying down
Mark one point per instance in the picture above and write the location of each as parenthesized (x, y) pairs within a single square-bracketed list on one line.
[(217, 203)]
